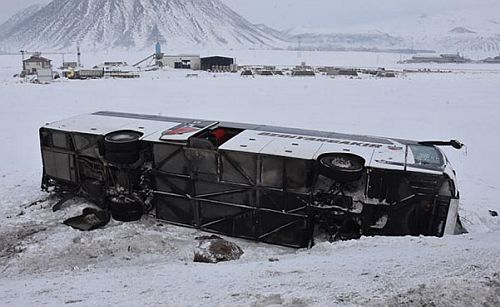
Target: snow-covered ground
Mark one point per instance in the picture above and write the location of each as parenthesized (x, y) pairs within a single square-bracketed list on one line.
[(43, 261)]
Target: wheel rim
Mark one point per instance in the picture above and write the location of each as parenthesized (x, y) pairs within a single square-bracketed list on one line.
[(342, 163), (341, 167), (123, 136)]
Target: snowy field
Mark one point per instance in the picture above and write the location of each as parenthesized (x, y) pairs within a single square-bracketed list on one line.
[(147, 263)]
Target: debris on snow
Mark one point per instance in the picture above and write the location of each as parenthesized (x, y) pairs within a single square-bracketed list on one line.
[(214, 249), (90, 219)]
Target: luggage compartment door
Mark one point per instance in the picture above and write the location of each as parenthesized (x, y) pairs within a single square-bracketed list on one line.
[(59, 165)]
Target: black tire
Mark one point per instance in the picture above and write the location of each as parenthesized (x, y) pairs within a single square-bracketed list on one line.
[(127, 216), (122, 147), (341, 167), (412, 219), (122, 141), (125, 210)]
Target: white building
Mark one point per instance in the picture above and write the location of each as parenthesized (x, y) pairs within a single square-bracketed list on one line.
[(32, 65), (181, 61)]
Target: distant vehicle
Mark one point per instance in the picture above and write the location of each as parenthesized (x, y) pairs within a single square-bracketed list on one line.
[(83, 74), (247, 72), (277, 185), (385, 74), (265, 73)]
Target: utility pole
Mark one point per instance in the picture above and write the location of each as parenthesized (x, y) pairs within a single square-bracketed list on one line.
[(78, 55), (299, 48), (22, 55)]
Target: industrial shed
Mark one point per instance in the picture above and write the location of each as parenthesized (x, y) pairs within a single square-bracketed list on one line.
[(181, 61), (216, 63)]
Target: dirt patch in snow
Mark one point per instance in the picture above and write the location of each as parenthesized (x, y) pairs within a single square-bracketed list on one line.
[(12, 242), (461, 291), (277, 300)]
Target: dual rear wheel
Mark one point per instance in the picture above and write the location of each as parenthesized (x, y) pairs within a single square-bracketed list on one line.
[(123, 148)]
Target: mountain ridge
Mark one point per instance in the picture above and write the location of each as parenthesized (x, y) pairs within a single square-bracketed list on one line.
[(201, 24), (97, 24)]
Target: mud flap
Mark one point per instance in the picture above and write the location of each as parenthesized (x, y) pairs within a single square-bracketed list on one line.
[(452, 218), (443, 216)]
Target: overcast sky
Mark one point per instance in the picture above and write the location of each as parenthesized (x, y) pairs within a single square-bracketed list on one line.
[(284, 14)]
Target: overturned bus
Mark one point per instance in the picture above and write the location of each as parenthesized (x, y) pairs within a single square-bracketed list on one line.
[(272, 184)]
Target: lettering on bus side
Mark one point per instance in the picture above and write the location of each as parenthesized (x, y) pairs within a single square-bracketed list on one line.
[(322, 140)]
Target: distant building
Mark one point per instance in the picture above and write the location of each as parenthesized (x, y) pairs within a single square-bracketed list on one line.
[(118, 70), (67, 65), (495, 60), (115, 64), (341, 72), (181, 61), (217, 63), (32, 65), (303, 73), (303, 66), (442, 58)]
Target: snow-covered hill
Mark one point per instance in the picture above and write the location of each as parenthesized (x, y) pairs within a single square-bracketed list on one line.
[(210, 24), (20, 16), (137, 24), (471, 29), (346, 41), (467, 30)]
